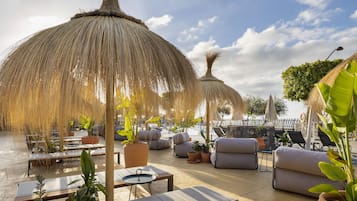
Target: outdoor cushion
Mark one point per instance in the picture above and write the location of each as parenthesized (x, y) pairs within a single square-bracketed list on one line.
[(149, 135), (180, 138), (159, 144)]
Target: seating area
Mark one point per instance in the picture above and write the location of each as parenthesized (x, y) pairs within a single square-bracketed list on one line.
[(289, 173)]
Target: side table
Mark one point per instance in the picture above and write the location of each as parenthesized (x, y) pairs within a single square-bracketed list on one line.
[(264, 156), (138, 178)]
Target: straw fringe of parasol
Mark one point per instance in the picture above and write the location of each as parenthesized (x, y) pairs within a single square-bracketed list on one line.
[(67, 70), (314, 100)]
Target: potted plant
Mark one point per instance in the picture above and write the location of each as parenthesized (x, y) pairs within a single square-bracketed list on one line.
[(88, 124), (135, 153), (340, 100), (194, 156), (89, 190), (205, 147)]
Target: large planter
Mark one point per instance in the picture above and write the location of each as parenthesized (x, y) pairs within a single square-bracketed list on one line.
[(205, 157), (332, 197), (136, 154), (90, 140)]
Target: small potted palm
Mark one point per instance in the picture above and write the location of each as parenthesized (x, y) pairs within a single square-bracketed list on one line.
[(90, 188), (340, 100), (205, 153), (194, 156)]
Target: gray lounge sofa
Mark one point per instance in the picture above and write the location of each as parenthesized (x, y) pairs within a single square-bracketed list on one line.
[(182, 144), (238, 153), (196, 193), (296, 170), (152, 137)]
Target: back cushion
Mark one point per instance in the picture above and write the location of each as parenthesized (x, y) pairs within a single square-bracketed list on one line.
[(180, 138), (236, 145)]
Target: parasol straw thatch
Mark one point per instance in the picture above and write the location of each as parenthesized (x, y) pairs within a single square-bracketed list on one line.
[(63, 71), (314, 100), (215, 91)]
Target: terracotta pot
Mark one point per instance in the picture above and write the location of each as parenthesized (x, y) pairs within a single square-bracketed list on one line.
[(136, 154), (90, 140), (205, 157), (332, 197), (194, 157), (261, 143)]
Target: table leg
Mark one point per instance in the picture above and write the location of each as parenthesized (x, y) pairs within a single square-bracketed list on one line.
[(170, 183), (118, 158), (28, 168)]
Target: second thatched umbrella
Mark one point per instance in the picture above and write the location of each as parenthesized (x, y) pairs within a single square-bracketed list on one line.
[(95, 53), (314, 100), (215, 91)]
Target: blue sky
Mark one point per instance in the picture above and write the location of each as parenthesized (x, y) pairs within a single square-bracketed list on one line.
[(258, 39)]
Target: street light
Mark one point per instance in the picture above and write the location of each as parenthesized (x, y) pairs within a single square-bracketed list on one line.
[(337, 49)]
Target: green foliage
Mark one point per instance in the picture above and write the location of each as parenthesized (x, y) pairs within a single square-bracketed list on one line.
[(154, 120), (89, 190), (128, 131), (207, 144), (340, 100), (86, 123), (224, 110), (299, 80), (284, 139), (40, 191), (196, 146), (256, 105), (51, 147)]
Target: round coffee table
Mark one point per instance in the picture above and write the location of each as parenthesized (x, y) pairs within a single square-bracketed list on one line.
[(138, 178)]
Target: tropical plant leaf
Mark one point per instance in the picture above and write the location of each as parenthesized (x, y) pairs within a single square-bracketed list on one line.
[(332, 172), (324, 90), (340, 100), (322, 188)]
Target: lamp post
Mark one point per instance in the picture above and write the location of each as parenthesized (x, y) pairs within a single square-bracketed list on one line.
[(337, 49)]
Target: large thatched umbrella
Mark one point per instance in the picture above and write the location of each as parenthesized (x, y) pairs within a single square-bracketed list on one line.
[(314, 99), (215, 91), (96, 54)]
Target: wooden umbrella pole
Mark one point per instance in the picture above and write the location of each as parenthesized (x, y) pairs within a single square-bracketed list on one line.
[(109, 139), (207, 121)]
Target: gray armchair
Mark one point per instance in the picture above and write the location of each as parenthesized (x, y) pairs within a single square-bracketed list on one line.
[(296, 170), (182, 144), (235, 153)]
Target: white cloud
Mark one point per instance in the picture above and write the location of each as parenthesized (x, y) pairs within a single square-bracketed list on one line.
[(157, 22), (254, 62), (354, 15), (321, 4), (193, 33)]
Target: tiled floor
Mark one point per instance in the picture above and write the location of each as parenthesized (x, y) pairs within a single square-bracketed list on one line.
[(244, 185)]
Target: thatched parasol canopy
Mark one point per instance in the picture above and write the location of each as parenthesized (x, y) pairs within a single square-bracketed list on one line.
[(215, 91), (48, 77), (314, 99)]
